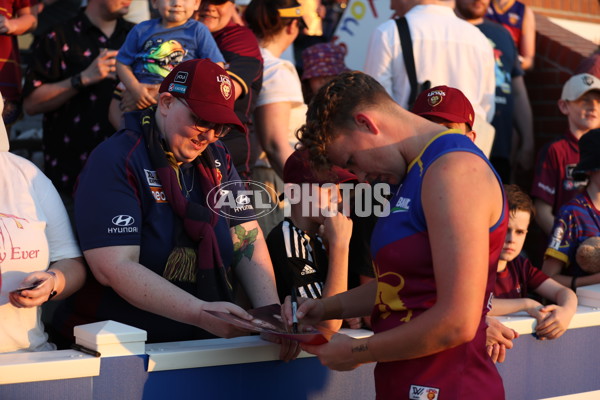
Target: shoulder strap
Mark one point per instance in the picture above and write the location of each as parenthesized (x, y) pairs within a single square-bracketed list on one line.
[(409, 58)]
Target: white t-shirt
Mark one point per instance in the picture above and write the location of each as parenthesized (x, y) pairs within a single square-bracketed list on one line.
[(447, 51), (34, 231), (281, 83)]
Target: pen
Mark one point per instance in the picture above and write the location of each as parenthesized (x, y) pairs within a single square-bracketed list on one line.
[(294, 309), (85, 350)]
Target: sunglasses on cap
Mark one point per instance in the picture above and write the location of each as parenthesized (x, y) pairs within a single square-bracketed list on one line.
[(202, 126)]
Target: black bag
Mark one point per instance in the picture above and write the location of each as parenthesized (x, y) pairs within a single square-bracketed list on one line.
[(409, 62)]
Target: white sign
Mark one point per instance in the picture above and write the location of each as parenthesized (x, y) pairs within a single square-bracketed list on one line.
[(354, 30)]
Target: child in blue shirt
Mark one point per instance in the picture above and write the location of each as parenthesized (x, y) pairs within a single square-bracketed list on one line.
[(154, 47)]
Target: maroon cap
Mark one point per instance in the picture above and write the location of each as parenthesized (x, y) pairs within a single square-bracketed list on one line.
[(206, 88), (297, 169), (445, 102)]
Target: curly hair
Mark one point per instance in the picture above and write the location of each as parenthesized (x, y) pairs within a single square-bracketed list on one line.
[(332, 110), (518, 200)]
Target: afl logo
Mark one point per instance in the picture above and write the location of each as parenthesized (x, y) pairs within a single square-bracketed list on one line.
[(123, 220)]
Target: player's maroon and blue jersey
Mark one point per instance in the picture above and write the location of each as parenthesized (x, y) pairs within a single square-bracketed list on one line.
[(406, 288)]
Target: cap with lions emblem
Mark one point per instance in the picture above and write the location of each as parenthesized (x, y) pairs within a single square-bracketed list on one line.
[(445, 102), (206, 88)]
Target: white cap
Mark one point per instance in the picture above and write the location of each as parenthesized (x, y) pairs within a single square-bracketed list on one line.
[(3, 134), (578, 85)]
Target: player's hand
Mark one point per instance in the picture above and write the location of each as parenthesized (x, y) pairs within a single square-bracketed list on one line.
[(497, 352), (498, 338), (337, 354), (310, 311)]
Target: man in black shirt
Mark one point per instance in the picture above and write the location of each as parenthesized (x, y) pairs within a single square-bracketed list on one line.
[(70, 80)]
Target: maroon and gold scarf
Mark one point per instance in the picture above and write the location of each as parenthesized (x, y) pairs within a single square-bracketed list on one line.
[(196, 241)]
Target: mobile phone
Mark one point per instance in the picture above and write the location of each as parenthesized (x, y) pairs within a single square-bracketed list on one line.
[(31, 286)]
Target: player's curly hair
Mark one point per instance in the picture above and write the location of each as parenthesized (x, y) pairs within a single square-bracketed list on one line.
[(332, 110)]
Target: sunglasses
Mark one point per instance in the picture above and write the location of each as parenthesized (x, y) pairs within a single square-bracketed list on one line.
[(202, 126)]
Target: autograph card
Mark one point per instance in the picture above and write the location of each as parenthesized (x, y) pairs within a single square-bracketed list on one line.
[(267, 320), (30, 286)]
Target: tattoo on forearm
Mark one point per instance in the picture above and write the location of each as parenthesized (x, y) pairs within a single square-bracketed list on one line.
[(360, 348), (244, 245)]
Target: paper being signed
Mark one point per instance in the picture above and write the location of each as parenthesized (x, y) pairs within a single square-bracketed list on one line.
[(267, 319)]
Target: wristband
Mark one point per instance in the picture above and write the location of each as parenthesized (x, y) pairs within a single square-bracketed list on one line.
[(53, 292), (574, 284)]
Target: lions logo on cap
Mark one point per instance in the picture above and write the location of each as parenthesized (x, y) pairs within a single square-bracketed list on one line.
[(435, 97), (226, 89), (588, 80), (435, 100)]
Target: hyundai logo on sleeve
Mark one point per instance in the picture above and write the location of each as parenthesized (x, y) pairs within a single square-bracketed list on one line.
[(123, 222)]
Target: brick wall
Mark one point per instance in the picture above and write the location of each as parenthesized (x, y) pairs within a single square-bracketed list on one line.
[(576, 10), (558, 53)]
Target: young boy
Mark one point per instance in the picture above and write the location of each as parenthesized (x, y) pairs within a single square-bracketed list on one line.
[(553, 183), (154, 47), (578, 220), (517, 276), (310, 260)]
